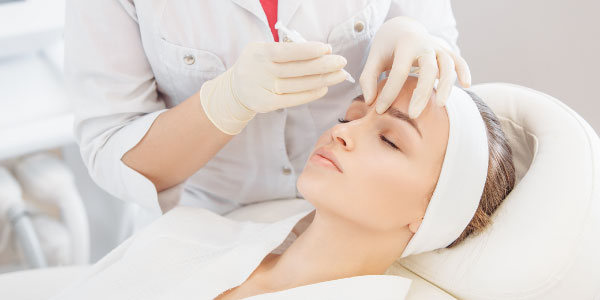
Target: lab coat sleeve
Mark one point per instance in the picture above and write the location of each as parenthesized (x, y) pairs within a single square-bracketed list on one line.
[(113, 91), (435, 15)]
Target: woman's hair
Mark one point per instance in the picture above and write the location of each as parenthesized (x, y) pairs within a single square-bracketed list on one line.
[(500, 174)]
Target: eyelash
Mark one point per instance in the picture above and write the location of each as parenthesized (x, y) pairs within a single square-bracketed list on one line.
[(381, 136)]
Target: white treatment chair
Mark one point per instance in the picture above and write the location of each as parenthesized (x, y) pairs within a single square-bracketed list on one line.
[(544, 242)]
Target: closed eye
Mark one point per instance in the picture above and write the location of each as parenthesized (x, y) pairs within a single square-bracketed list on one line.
[(381, 136), (385, 140)]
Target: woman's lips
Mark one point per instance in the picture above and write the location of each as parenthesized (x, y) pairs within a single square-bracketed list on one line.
[(327, 158)]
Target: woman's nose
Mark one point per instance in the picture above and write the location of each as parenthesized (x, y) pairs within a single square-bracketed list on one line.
[(342, 135)]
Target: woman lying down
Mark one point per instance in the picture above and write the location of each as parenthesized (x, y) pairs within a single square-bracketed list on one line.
[(382, 187)]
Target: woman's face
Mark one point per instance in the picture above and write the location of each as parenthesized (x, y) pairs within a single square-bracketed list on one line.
[(388, 168)]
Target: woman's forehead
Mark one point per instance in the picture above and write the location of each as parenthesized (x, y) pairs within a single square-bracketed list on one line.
[(433, 121), (431, 113)]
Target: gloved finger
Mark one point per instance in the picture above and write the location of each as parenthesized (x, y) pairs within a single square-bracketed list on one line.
[(368, 78), (295, 99), (305, 83), (319, 65), (422, 93), (447, 77), (462, 69), (396, 79), (285, 52)]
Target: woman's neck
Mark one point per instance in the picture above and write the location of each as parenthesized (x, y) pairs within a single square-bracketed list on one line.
[(332, 248)]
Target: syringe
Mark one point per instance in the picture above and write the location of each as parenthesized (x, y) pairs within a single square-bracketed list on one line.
[(294, 36)]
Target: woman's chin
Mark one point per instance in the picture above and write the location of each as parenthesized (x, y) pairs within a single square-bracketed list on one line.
[(311, 184), (301, 184)]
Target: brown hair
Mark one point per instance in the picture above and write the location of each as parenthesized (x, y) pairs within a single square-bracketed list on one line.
[(500, 174)]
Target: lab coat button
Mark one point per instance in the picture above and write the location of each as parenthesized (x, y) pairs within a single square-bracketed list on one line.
[(286, 171), (189, 59), (359, 26)]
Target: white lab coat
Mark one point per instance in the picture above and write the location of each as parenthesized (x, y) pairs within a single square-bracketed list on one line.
[(128, 61), (193, 253)]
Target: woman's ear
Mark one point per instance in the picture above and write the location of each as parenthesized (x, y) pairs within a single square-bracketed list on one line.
[(414, 226)]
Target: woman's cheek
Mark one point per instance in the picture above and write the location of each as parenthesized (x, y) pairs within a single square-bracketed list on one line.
[(374, 176)]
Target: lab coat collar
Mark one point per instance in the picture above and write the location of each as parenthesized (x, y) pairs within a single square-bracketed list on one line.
[(285, 9)]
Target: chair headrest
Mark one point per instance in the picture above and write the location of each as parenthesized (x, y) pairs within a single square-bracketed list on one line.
[(544, 242)]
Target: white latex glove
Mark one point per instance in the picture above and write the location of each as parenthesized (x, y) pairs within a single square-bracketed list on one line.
[(270, 76), (399, 44)]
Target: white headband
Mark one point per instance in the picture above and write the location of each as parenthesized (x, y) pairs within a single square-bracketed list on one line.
[(461, 181)]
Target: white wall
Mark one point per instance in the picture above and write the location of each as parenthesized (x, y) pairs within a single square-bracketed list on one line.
[(549, 45)]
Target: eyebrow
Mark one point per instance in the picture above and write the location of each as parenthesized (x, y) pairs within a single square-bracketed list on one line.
[(396, 114), (403, 116)]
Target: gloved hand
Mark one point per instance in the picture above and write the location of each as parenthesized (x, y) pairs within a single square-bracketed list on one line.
[(400, 43), (270, 76)]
